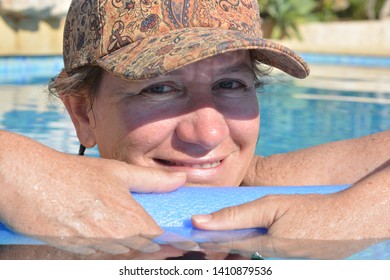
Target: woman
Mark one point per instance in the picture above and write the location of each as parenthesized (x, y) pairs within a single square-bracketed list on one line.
[(168, 90)]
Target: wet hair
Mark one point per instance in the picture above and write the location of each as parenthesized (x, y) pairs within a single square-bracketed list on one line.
[(83, 83), (260, 71)]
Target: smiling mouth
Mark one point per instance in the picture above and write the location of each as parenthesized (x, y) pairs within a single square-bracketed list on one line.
[(197, 165)]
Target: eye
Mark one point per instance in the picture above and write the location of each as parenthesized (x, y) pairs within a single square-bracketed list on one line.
[(229, 84), (159, 89), (229, 88)]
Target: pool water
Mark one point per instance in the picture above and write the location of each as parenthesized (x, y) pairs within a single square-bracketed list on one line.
[(337, 101), (334, 103)]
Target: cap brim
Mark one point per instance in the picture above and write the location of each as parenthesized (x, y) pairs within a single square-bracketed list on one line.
[(153, 56)]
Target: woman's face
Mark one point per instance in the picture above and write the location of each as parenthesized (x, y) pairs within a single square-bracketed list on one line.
[(202, 119)]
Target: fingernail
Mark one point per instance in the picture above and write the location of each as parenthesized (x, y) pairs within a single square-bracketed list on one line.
[(186, 246), (202, 218), (150, 248)]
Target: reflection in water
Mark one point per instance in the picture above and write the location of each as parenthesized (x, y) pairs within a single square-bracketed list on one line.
[(254, 248), (278, 248), (167, 252)]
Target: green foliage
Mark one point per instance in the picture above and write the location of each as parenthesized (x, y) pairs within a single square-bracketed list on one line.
[(331, 10), (286, 15), (327, 10), (355, 10)]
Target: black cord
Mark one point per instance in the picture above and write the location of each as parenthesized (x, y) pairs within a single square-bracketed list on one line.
[(81, 150)]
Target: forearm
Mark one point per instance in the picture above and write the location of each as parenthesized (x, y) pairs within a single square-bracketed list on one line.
[(358, 212), (48, 193), (367, 205), (24, 165), (341, 162)]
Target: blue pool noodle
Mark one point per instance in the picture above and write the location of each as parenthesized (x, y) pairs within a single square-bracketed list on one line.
[(173, 211)]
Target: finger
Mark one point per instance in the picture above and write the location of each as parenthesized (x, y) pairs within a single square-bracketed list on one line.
[(255, 244), (86, 246), (140, 244), (110, 248), (75, 249), (214, 247), (146, 179), (255, 214), (224, 235), (74, 245), (178, 241)]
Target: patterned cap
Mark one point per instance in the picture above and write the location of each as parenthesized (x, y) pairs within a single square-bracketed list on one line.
[(146, 38)]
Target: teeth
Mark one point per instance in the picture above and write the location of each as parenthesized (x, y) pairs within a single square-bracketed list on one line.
[(199, 166)]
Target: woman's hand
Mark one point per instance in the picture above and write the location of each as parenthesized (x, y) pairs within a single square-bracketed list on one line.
[(64, 198), (358, 212), (286, 216)]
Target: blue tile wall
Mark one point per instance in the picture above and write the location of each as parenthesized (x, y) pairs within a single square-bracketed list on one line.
[(29, 69), (350, 60)]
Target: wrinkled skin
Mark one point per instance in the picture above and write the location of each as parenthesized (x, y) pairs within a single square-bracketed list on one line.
[(359, 212), (70, 196)]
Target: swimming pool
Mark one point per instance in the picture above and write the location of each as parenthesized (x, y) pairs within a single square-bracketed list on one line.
[(338, 101)]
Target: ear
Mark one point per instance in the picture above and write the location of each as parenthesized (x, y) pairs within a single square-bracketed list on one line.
[(82, 117)]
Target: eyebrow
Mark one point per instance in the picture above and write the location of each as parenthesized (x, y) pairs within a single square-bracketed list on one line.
[(242, 67)]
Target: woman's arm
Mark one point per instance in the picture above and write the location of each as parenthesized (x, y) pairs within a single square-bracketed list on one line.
[(45, 193), (341, 162), (361, 211)]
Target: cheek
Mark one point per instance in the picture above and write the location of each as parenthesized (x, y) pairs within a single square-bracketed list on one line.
[(134, 141), (112, 126), (245, 135), (245, 125), (110, 133), (128, 130), (147, 127), (149, 136), (245, 132)]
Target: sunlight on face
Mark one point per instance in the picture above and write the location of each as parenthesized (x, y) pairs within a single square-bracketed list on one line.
[(202, 119)]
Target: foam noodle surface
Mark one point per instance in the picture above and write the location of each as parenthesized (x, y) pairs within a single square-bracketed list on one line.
[(173, 211)]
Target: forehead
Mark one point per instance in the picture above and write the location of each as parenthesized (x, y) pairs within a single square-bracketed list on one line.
[(228, 58), (218, 63), (229, 62)]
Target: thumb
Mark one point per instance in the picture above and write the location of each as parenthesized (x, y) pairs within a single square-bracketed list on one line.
[(254, 214), (147, 179)]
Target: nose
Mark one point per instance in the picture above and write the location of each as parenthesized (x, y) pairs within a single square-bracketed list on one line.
[(204, 127)]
